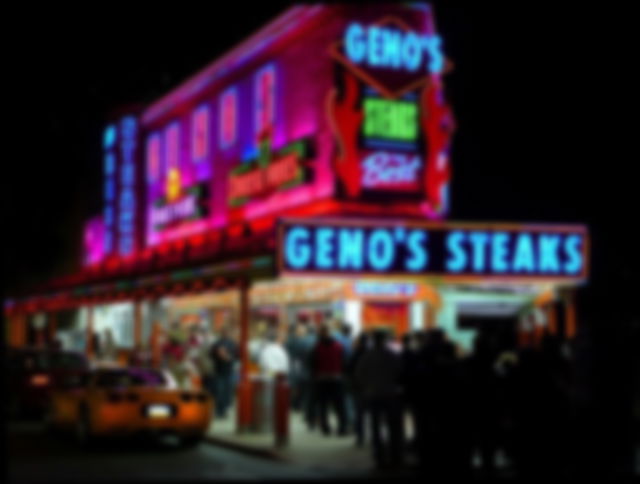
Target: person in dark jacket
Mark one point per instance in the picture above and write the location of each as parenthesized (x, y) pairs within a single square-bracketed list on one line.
[(327, 364), (224, 353), (411, 380), (361, 345), (378, 374)]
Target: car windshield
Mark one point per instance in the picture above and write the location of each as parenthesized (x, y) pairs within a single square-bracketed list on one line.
[(131, 377)]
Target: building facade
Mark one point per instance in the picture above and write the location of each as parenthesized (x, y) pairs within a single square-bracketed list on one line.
[(303, 175)]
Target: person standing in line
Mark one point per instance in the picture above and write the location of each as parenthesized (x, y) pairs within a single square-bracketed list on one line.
[(224, 353), (378, 373), (298, 348), (273, 358), (343, 336), (360, 346), (410, 382), (173, 353), (327, 363), (308, 401)]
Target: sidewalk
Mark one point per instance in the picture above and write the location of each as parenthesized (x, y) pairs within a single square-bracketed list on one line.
[(308, 449)]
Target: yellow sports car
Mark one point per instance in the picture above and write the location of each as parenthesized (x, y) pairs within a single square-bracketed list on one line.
[(126, 401)]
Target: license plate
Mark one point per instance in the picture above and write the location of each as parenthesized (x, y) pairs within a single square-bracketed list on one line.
[(158, 411)]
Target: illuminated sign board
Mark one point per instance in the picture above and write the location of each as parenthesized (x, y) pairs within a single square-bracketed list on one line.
[(392, 48), (127, 205), (370, 288), (391, 171), (388, 112), (109, 166), (392, 119), (282, 170), (93, 241), (191, 205), (488, 250)]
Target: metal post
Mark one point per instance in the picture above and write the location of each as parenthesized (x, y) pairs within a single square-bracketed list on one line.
[(281, 410), (89, 348), (552, 319), (137, 322), (571, 325), (244, 385), (52, 326)]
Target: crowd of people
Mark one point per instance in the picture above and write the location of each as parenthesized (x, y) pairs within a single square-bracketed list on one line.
[(422, 400), (428, 402)]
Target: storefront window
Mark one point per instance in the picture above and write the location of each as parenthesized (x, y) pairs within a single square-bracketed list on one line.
[(116, 320)]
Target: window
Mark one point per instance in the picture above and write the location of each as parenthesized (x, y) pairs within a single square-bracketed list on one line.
[(265, 98), (228, 118), (200, 134)]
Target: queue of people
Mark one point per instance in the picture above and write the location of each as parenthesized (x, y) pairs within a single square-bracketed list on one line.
[(495, 399)]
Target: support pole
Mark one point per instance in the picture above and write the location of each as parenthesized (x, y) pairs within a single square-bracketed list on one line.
[(89, 348), (52, 325), (552, 318), (244, 385), (571, 324), (137, 322)]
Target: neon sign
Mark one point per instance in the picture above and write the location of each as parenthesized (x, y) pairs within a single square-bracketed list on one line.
[(172, 145), (190, 206), (109, 144), (153, 157), (265, 99), (388, 113), (228, 118), (270, 172), (369, 288), (390, 119), (391, 171), (200, 134), (388, 48), (369, 248), (127, 198), (93, 240)]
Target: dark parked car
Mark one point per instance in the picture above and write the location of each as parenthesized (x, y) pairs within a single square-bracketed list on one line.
[(33, 373)]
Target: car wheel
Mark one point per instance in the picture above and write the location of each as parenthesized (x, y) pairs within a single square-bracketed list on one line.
[(191, 440)]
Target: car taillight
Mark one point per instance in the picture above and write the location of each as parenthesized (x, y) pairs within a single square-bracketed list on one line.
[(40, 380)]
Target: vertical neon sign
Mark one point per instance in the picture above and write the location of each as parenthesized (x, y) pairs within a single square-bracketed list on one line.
[(127, 197), (228, 118), (109, 145), (265, 102), (172, 153), (199, 134), (172, 145), (153, 158)]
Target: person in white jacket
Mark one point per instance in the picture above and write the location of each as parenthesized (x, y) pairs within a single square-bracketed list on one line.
[(273, 358)]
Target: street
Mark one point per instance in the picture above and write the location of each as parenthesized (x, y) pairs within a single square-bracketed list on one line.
[(36, 456)]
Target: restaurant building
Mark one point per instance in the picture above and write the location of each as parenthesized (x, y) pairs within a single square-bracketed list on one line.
[(303, 175)]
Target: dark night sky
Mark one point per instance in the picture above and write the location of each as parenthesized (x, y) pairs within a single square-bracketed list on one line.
[(537, 136)]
